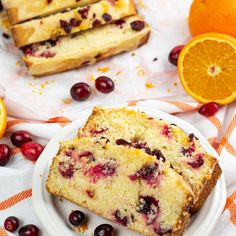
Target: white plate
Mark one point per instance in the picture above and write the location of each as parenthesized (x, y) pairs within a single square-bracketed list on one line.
[(53, 213)]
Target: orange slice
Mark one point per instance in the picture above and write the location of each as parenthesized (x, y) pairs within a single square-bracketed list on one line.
[(3, 118), (207, 68)]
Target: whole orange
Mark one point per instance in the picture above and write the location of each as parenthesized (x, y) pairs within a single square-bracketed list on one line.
[(208, 16)]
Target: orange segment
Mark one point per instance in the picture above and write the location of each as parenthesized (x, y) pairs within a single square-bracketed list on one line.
[(3, 118), (207, 68)]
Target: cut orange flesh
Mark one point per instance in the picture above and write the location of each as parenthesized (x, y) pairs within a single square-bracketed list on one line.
[(207, 68), (3, 118)]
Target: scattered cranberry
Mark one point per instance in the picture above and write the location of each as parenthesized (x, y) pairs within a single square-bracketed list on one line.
[(104, 84), (174, 55), (77, 218), (80, 91), (103, 230), (20, 137), (209, 109), (11, 223), (5, 152), (32, 150), (29, 230)]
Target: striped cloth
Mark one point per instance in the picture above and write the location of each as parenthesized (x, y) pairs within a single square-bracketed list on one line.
[(15, 178)]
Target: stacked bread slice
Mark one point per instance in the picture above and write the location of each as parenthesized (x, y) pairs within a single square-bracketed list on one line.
[(137, 130), (143, 173), (60, 35)]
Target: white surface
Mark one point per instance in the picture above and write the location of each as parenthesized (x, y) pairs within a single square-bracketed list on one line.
[(53, 213)]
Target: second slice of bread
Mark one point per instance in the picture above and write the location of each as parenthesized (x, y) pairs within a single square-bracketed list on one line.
[(72, 21), (87, 47)]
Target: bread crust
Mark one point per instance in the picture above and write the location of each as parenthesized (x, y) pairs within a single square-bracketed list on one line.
[(39, 30), (76, 60), (22, 10), (207, 187)]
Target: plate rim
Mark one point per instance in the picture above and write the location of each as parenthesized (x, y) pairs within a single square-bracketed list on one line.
[(219, 192)]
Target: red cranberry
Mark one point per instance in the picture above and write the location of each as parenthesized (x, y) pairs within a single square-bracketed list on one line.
[(32, 150), (103, 230), (77, 218), (148, 173), (209, 109), (67, 170), (11, 223), (20, 137), (104, 84), (122, 220), (5, 152), (29, 230), (137, 25), (80, 91), (174, 55)]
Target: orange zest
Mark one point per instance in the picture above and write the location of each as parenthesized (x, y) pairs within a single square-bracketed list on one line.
[(3, 118), (207, 68)]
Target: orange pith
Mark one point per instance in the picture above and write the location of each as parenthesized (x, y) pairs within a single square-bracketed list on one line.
[(207, 68), (3, 118)]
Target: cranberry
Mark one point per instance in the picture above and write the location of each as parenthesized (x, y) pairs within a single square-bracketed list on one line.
[(5, 152), (209, 109), (137, 25), (104, 84), (32, 150), (11, 223), (198, 162), (101, 171), (147, 173), (29, 230), (122, 220), (107, 17), (123, 142), (145, 204), (77, 218), (174, 55), (80, 91), (103, 230), (20, 137), (67, 170), (158, 154)]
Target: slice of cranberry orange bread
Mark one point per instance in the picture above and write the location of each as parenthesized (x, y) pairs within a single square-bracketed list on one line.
[(72, 21), (161, 139), (22, 10), (86, 47), (124, 185)]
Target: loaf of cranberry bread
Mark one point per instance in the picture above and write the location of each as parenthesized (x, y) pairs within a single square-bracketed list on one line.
[(72, 21), (86, 47), (124, 185), (137, 130), (22, 10)]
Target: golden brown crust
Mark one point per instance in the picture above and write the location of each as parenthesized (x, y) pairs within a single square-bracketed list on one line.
[(56, 65), (40, 30), (207, 188)]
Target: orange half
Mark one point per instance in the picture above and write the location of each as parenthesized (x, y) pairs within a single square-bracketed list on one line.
[(3, 118), (207, 68)]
